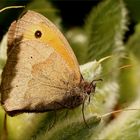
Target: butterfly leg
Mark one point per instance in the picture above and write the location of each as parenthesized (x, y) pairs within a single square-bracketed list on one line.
[(54, 120), (62, 105), (83, 113), (89, 99), (66, 113), (4, 135)]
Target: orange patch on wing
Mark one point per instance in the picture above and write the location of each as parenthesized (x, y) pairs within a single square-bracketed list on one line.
[(50, 37)]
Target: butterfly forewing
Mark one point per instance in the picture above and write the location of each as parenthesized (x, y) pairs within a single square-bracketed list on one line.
[(40, 73)]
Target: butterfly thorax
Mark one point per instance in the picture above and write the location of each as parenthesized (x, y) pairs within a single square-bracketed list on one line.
[(77, 95)]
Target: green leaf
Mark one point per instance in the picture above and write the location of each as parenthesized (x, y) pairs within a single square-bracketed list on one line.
[(125, 127), (129, 81), (1, 120), (134, 9), (72, 129), (3, 53), (134, 42), (105, 27), (78, 41)]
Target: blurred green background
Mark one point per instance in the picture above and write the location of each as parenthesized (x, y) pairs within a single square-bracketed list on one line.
[(95, 29)]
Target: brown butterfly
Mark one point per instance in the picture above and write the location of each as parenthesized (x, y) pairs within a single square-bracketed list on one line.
[(41, 73)]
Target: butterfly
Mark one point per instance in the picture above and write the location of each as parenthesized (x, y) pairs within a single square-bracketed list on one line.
[(41, 73)]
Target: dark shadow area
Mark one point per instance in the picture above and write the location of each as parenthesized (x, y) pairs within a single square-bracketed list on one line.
[(7, 16), (74, 12)]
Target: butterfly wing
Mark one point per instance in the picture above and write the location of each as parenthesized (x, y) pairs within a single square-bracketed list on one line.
[(40, 72)]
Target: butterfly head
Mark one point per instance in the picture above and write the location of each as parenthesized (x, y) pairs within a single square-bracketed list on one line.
[(89, 87)]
